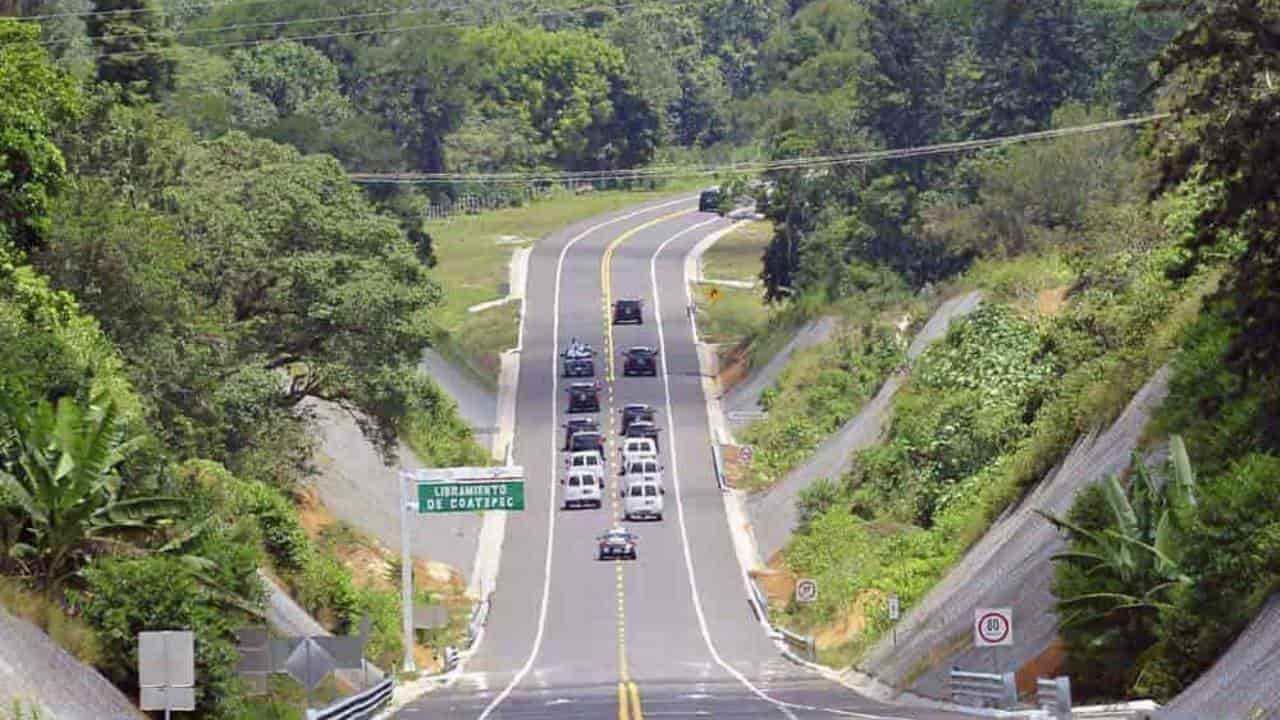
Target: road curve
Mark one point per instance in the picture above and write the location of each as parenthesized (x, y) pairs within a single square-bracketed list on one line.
[(670, 634)]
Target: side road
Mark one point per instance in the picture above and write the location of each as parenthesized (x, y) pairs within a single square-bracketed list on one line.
[(773, 513)]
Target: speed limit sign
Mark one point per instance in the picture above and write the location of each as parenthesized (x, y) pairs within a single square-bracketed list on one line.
[(992, 627), (806, 590)]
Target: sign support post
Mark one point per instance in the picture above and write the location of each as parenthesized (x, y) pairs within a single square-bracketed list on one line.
[(406, 573), (448, 490)]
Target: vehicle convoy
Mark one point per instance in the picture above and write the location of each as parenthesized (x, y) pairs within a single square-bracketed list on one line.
[(583, 489), (577, 360), (628, 312), (577, 425), (618, 542), (584, 398), (640, 360), (642, 499)]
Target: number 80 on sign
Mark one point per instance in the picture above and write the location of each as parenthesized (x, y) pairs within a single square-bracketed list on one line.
[(992, 627)]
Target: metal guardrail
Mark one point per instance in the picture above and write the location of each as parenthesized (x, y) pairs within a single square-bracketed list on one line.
[(1054, 696), (803, 643), (357, 707), (759, 604), (988, 689), (718, 461)]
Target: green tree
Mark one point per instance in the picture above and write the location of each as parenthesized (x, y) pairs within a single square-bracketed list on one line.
[(134, 45), (63, 473), (572, 88), (1221, 75), (1121, 569), (35, 97)]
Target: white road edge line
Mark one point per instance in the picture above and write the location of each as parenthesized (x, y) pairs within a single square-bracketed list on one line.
[(782, 705), (555, 413)]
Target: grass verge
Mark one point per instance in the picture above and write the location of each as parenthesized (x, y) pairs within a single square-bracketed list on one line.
[(473, 255)]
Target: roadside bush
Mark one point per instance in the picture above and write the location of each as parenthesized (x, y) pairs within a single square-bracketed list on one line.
[(125, 596), (223, 493), (969, 401), (824, 387), (1232, 552), (325, 588)]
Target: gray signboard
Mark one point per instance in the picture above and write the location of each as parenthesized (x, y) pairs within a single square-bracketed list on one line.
[(167, 670)]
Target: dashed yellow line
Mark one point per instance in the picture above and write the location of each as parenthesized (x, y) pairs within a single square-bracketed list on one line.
[(606, 283), (628, 694)]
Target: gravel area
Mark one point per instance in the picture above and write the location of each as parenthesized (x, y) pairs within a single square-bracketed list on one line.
[(1009, 567), (1244, 683), (36, 672), (773, 513)]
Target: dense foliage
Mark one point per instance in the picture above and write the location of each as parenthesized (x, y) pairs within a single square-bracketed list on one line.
[(172, 300)]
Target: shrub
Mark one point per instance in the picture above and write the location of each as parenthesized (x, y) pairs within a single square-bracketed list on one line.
[(217, 490), (1233, 553), (125, 596)]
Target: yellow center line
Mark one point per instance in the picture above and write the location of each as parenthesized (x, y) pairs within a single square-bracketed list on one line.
[(606, 283), (636, 712), (628, 693)]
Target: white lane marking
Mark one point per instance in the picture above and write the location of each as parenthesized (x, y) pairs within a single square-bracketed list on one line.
[(555, 413), (783, 706)]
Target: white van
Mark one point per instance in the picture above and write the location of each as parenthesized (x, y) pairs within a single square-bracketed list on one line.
[(585, 461), (637, 448), (643, 468), (582, 489), (642, 499)]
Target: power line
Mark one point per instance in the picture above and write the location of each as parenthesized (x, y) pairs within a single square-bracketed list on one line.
[(799, 163), (137, 11), (351, 33)]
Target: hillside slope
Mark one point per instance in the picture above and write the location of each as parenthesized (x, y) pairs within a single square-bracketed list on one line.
[(36, 672), (1008, 567)]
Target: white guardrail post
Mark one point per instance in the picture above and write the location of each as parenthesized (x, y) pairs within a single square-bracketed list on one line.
[(1000, 690), (1054, 695), (357, 707)]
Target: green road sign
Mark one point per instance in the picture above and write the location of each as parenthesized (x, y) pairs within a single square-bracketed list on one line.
[(470, 496)]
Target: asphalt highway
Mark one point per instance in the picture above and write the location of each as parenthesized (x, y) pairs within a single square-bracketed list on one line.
[(669, 634)]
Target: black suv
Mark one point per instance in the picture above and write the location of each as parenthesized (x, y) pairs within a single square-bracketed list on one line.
[(635, 412), (640, 361), (578, 425), (709, 201), (584, 398), (587, 442), (643, 429), (628, 312)]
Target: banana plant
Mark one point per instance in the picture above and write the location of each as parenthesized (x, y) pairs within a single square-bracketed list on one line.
[(61, 476), (1138, 549)]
